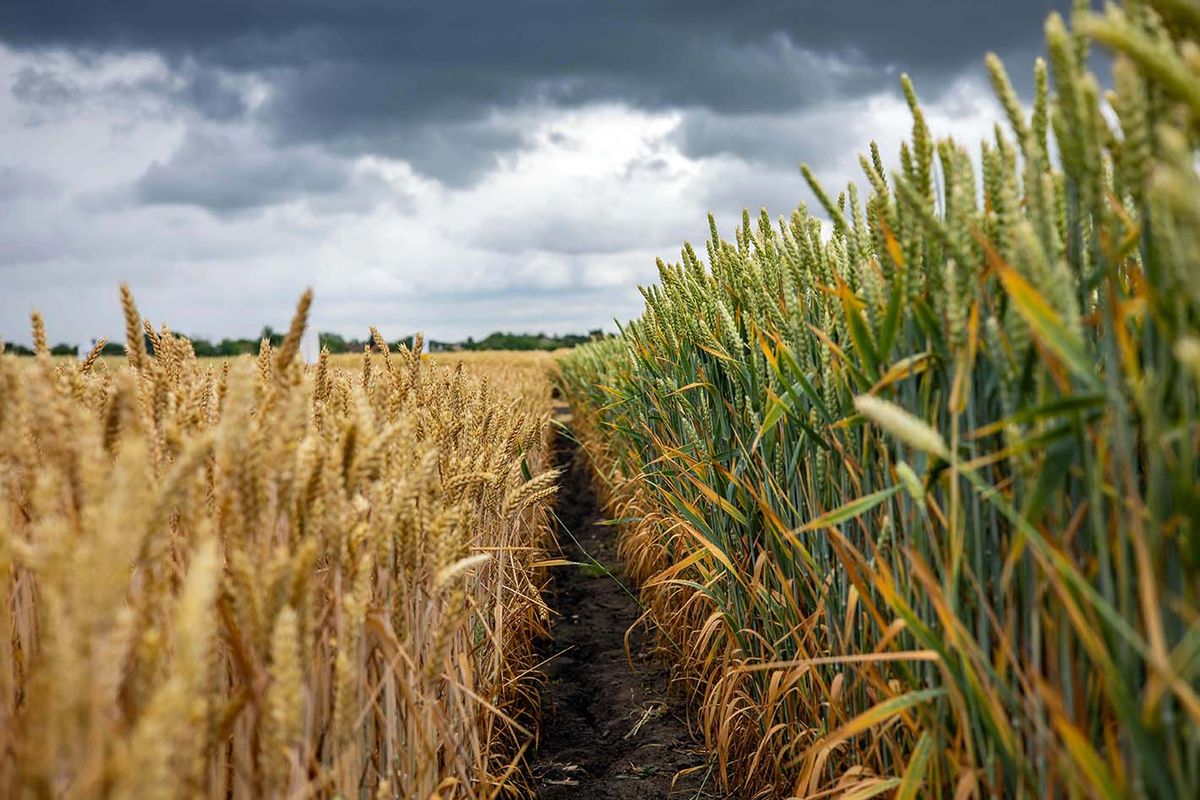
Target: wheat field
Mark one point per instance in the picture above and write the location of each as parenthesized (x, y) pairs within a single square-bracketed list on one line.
[(908, 483), (268, 579), (913, 497)]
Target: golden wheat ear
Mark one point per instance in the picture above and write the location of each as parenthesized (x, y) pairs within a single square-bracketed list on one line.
[(291, 343), (135, 345), (38, 327)]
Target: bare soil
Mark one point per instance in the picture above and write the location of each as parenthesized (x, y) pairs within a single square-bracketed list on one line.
[(610, 729)]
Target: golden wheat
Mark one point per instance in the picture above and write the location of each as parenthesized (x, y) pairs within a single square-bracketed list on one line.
[(262, 579)]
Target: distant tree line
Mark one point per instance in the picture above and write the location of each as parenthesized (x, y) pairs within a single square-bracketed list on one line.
[(336, 343), (56, 350), (518, 341)]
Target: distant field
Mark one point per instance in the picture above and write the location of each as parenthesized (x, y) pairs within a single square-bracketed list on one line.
[(353, 361)]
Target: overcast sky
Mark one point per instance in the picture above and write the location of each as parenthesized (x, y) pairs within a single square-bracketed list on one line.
[(456, 168)]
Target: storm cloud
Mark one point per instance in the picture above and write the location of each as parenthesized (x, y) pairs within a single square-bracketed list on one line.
[(536, 143), (420, 81)]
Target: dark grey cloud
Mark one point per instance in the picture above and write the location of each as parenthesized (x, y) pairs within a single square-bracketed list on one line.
[(210, 92), (54, 89), (43, 87), (776, 140), (421, 80), (224, 175), (529, 37)]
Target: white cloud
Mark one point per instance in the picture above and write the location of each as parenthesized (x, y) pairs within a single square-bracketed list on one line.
[(233, 226)]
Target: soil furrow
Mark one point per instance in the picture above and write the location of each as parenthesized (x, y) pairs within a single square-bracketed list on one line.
[(609, 728)]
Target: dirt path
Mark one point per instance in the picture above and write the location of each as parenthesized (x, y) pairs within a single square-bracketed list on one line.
[(608, 730)]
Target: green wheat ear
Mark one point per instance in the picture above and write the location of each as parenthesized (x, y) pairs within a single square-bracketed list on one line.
[(943, 453)]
